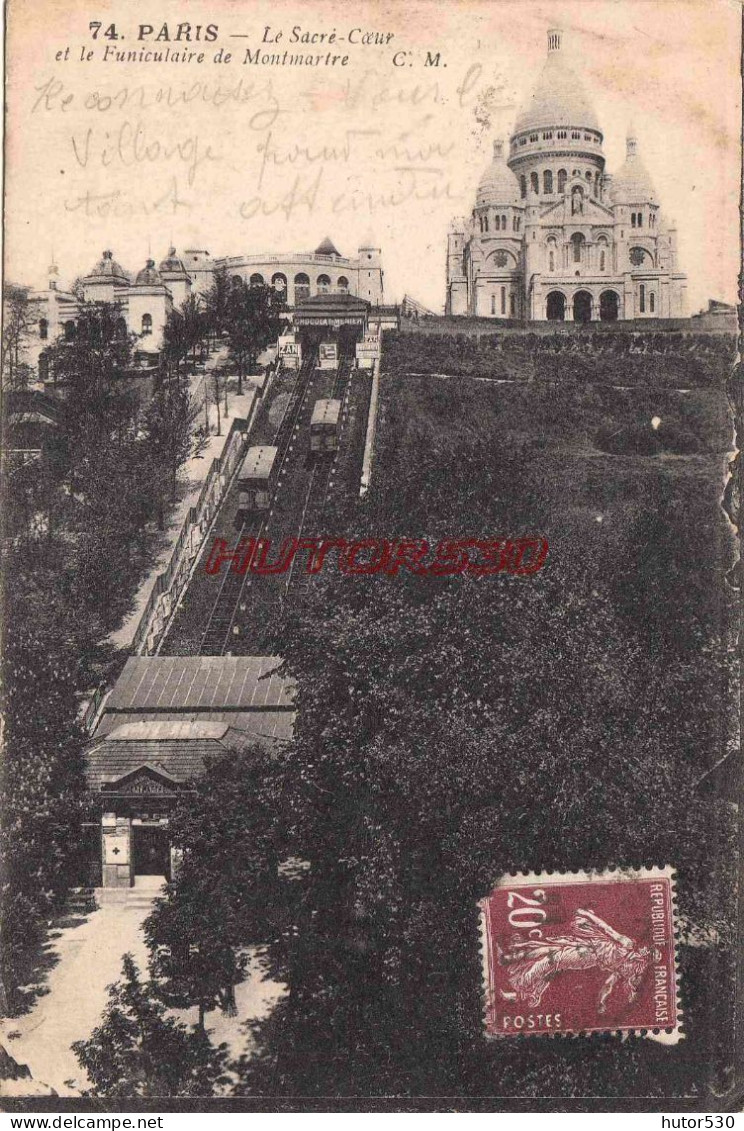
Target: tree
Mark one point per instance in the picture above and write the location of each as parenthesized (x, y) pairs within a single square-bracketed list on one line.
[(185, 331), (253, 321), (176, 342), (139, 1052), (168, 435), (217, 301), (17, 322), (221, 899), (196, 328), (41, 774)]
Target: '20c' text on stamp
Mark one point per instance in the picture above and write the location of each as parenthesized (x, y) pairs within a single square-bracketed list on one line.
[(581, 953)]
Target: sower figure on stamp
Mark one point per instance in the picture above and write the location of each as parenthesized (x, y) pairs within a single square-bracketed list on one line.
[(593, 944)]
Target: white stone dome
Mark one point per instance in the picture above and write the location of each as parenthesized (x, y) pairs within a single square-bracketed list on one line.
[(172, 264), (498, 185), (559, 99), (632, 183), (107, 267), (148, 276)]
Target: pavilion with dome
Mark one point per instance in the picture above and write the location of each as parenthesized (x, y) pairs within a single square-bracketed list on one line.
[(552, 235)]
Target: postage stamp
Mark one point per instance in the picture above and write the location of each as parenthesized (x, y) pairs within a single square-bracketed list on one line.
[(581, 953)]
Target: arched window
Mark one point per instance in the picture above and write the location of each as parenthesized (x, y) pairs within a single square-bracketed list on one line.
[(236, 281), (493, 304), (485, 221), (324, 284), (146, 324), (503, 300), (547, 181), (503, 223), (551, 261), (69, 331), (497, 223), (43, 329), (513, 306), (257, 280), (642, 292), (640, 219), (602, 260), (343, 285), (279, 283), (588, 175), (651, 302), (534, 182), (523, 186), (596, 184), (577, 242), (301, 286)]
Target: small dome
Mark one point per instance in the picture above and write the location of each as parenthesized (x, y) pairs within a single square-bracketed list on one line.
[(108, 267), (498, 185), (148, 276), (632, 183), (327, 248), (559, 99), (172, 265)]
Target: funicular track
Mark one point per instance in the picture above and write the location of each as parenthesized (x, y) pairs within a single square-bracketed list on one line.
[(321, 477), (216, 636)]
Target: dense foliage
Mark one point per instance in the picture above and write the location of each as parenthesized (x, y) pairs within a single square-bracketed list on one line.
[(638, 359), (140, 1052), (78, 533)]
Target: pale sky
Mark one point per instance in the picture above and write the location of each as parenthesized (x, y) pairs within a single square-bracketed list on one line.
[(271, 159)]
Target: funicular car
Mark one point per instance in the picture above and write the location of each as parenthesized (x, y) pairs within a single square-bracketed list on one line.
[(255, 478), (324, 426)]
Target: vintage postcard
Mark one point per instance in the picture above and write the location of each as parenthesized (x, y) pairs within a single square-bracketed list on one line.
[(371, 565)]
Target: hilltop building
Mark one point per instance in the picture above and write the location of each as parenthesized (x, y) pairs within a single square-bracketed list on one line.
[(552, 235), (147, 297)]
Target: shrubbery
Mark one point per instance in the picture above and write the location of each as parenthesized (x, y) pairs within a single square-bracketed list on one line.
[(620, 358)]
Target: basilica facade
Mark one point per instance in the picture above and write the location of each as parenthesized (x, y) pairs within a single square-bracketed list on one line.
[(553, 236)]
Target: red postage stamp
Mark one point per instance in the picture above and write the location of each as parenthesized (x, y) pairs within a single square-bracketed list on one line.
[(581, 953)]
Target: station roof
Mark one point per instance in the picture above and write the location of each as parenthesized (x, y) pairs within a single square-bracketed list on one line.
[(174, 752), (201, 683), (331, 309), (258, 462), (325, 411)]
